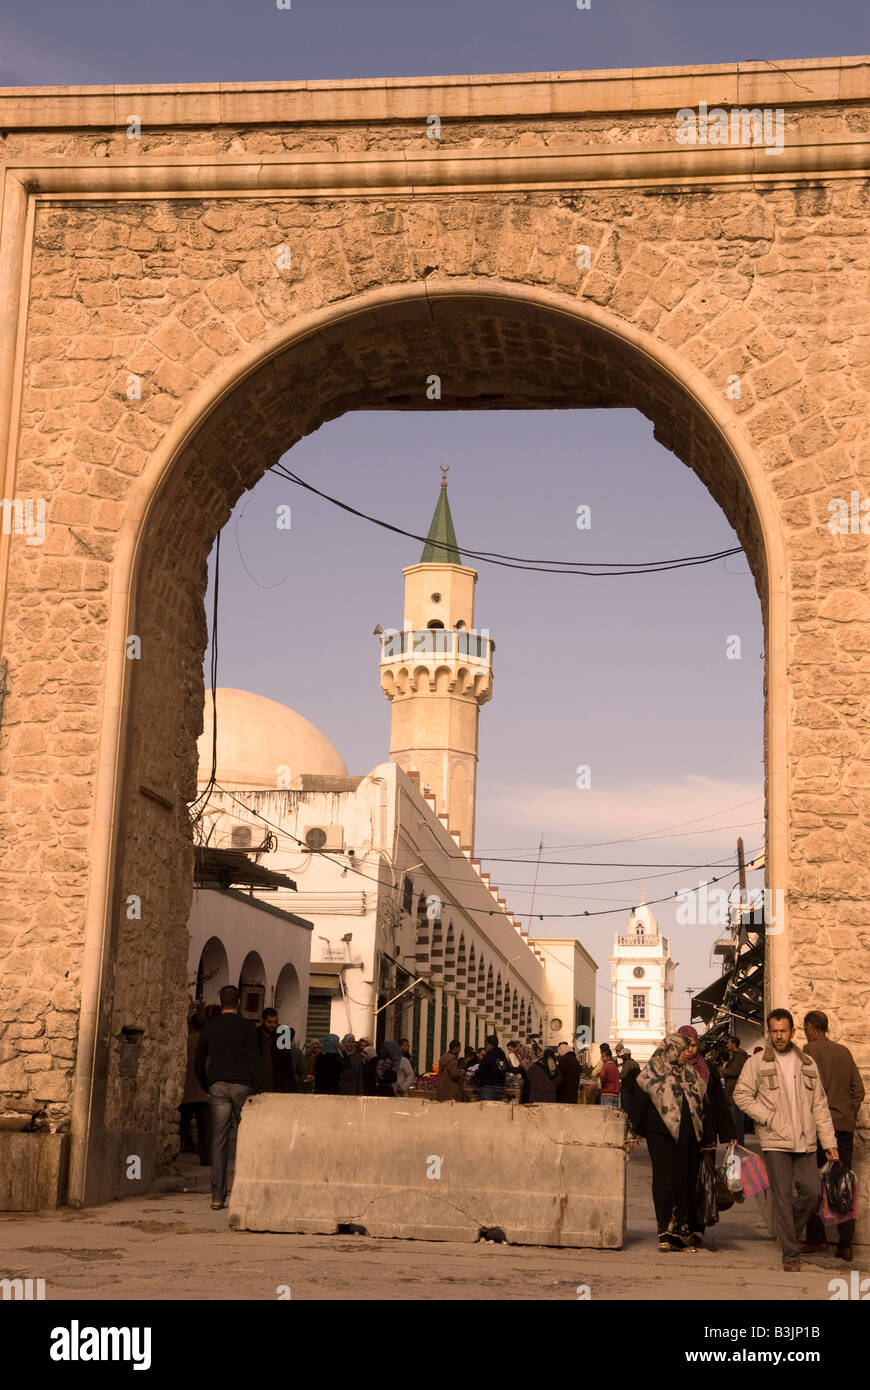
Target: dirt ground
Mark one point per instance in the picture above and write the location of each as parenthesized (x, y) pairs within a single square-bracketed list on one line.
[(170, 1245)]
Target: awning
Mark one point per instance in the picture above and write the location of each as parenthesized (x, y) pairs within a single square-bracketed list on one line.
[(324, 974), (222, 868), (705, 1003)]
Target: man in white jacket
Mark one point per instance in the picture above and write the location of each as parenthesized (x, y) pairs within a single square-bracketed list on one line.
[(782, 1091)]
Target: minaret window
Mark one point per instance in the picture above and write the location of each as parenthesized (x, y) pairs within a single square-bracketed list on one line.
[(435, 622)]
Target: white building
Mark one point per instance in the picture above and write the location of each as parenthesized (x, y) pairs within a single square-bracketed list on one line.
[(409, 937), (642, 976)]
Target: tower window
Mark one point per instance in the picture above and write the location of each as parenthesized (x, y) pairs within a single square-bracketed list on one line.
[(638, 1006), (434, 622)]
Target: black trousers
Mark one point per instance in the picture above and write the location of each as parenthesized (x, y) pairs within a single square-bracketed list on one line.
[(199, 1111), (675, 1176), (815, 1225)]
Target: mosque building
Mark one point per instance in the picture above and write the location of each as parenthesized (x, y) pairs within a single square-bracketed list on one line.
[(392, 928), (642, 984)]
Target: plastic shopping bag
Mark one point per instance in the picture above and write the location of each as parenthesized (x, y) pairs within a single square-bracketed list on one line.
[(733, 1172), (838, 1187), (706, 1195), (753, 1172)]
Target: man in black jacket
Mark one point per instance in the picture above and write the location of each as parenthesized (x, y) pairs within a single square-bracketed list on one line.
[(277, 1064), (491, 1073), (227, 1066)]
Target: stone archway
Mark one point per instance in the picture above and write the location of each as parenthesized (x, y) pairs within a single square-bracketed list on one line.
[(156, 358)]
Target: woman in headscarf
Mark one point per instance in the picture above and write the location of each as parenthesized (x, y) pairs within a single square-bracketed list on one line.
[(350, 1083), (387, 1073), (528, 1055), (370, 1067), (669, 1113), (329, 1067), (541, 1084)]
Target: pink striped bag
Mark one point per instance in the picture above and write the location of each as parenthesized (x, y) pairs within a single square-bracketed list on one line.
[(753, 1171)]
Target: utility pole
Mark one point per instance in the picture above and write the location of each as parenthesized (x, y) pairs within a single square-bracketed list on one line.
[(535, 883)]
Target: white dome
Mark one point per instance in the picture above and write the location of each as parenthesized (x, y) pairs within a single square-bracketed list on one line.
[(260, 741)]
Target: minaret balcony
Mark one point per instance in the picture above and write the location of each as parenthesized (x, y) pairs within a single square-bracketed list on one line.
[(437, 641), (437, 658)]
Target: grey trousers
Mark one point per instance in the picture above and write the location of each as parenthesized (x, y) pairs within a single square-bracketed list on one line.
[(795, 1189), (225, 1101)]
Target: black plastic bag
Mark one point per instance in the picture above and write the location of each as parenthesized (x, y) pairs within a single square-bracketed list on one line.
[(708, 1212), (839, 1186)]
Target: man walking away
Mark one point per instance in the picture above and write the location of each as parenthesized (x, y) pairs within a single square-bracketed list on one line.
[(569, 1075), (491, 1073), (227, 1065), (729, 1074), (844, 1092), (451, 1074), (781, 1090), (608, 1079)]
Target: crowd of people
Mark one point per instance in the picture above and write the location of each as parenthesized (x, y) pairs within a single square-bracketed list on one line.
[(802, 1103)]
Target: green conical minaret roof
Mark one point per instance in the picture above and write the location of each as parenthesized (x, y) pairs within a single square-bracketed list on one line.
[(441, 547)]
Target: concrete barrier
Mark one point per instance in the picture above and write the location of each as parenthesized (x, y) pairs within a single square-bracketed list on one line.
[(545, 1174)]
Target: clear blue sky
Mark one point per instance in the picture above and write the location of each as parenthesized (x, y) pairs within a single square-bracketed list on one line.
[(103, 41), (627, 675)]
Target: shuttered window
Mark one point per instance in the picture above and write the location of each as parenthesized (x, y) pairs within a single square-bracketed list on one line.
[(319, 1012)]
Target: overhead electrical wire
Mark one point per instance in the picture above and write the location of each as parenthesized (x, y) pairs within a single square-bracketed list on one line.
[(592, 569), (481, 911)]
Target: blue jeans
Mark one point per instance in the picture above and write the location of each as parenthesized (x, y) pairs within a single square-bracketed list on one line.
[(612, 1101), (225, 1100), (490, 1093)]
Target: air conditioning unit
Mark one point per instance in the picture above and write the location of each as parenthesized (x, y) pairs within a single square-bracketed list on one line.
[(323, 837)]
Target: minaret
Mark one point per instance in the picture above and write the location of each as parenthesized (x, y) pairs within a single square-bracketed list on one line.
[(437, 673), (642, 980)]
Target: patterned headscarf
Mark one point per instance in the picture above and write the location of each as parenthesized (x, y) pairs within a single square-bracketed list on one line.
[(330, 1044), (687, 1031), (527, 1055), (666, 1082)]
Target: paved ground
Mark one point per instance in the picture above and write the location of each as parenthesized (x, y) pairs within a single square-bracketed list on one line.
[(171, 1245)]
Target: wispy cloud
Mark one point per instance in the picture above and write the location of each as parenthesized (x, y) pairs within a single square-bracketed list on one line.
[(693, 808)]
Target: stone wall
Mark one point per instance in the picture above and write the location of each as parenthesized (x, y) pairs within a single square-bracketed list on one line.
[(237, 357)]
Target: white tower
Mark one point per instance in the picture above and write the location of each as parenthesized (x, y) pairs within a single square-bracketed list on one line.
[(437, 673), (642, 975)]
